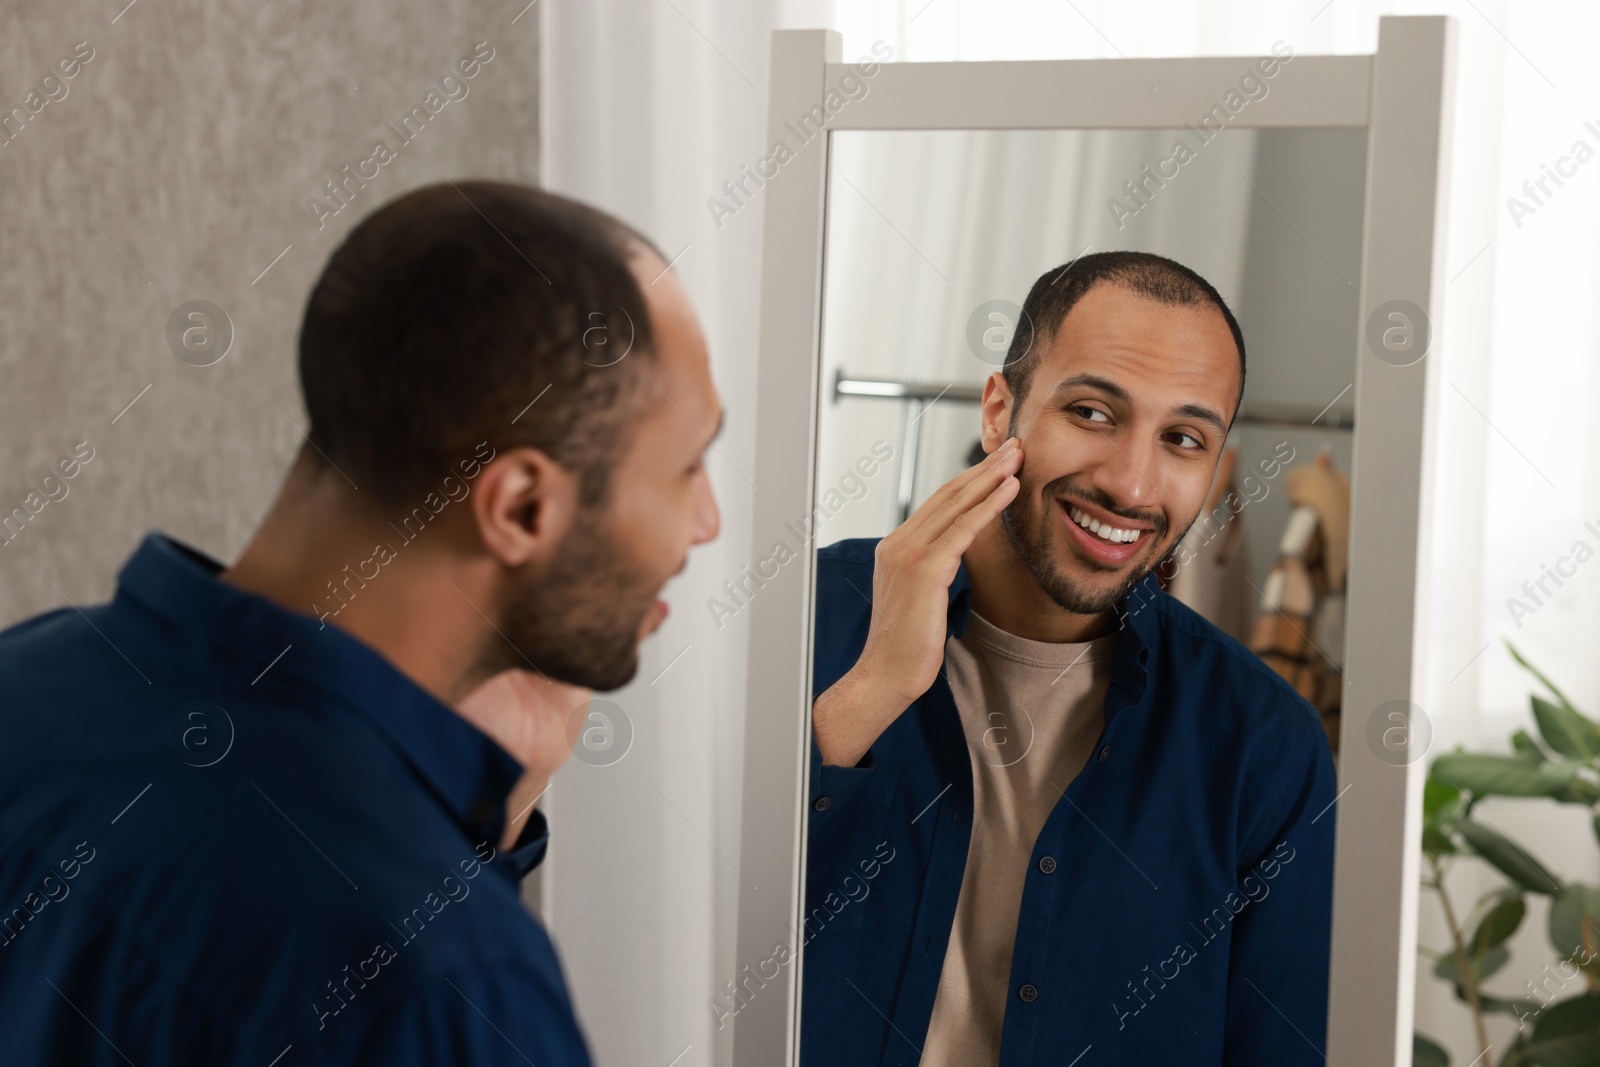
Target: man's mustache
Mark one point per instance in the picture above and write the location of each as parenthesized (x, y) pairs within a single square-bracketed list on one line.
[(1065, 490)]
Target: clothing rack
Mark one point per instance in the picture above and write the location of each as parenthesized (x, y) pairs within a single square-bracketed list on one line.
[(916, 397)]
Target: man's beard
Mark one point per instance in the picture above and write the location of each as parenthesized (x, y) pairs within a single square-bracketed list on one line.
[(1031, 538), (578, 619)]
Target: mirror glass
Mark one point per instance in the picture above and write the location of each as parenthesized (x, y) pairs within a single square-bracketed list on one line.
[(946, 914)]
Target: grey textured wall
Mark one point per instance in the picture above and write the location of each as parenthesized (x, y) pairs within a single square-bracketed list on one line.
[(175, 165)]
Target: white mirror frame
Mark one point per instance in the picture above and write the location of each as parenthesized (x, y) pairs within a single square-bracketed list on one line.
[(1402, 96)]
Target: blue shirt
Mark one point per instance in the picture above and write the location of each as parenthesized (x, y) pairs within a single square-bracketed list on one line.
[(1177, 907), (232, 835)]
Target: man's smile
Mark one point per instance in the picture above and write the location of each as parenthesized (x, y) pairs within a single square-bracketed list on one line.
[(1108, 539)]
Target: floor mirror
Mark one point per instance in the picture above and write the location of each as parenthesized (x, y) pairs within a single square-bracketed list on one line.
[(909, 208)]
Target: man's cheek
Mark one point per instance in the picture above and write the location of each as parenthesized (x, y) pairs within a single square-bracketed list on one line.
[(1032, 498)]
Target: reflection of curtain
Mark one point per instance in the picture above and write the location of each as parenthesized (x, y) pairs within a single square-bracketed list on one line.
[(925, 227), (929, 214)]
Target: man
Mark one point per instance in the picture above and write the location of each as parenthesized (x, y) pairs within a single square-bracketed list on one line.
[(1055, 814), (277, 813)]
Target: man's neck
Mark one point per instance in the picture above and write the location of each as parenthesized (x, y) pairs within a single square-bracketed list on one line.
[(1005, 593), (317, 555), (417, 604)]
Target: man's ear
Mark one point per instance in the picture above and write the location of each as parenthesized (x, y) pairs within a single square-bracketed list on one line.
[(996, 411), (524, 504)]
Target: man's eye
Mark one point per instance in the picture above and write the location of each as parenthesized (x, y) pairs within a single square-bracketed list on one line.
[(1188, 437), (1085, 410)]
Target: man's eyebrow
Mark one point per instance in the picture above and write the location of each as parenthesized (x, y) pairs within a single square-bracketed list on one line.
[(1204, 414), (1094, 381), (1111, 388)]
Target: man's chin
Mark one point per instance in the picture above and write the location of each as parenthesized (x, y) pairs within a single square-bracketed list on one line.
[(655, 616), (608, 680), (601, 673), (1076, 582), (1091, 590)]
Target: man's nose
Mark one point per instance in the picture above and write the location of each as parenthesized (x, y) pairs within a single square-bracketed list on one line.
[(708, 518), (1122, 473)]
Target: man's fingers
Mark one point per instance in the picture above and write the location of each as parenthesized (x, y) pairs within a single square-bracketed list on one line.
[(941, 496), (959, 493), (990, 475), (958, 538)]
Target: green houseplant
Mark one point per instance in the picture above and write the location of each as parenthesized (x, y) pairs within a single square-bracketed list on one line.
[(1558, 1023)]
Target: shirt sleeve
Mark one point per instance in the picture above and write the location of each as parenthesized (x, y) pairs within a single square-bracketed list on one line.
[(498, 1016), (830, 778), (846, 831), (839, 637), (1277, 1014), (848, 804)]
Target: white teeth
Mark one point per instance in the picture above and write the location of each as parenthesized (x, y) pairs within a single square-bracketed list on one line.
[(1102, 530)]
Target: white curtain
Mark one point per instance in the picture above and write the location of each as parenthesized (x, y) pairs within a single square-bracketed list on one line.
[(649, 107), (927, 227)]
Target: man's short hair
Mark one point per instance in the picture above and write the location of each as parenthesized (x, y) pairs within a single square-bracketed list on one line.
[(444, 316), (1059, 289)]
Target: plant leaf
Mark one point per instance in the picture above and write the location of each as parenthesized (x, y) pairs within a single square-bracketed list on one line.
[(1568, 1018), (1568, 913), (1488, 963), (1501, 922), (1519, 1008), (1537, 673), (1525, 748), (1578, 791), (1565, 730), (1502, 775), (1443, 805), (1481, 966), (1437, 797), (1436, 844), (1579, 1050), (1427, 1053), (1509, 858)]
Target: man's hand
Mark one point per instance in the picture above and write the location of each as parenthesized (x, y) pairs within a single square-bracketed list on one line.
[(912, 571), (529, 716)]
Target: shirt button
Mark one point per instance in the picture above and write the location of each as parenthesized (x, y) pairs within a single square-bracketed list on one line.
[(1028, 994), (1104, 752), (821, 803), (1047, 864)]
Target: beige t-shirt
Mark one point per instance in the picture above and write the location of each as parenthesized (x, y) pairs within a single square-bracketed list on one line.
[(1032, 711)]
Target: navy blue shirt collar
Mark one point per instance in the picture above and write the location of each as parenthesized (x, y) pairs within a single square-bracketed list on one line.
[(238, 636), (1137, 632)]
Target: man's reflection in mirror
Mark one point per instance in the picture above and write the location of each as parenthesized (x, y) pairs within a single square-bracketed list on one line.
[(1054, 812)]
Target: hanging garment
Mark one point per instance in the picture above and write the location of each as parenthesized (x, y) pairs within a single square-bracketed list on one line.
[(1300, 631), (1210, 569)]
